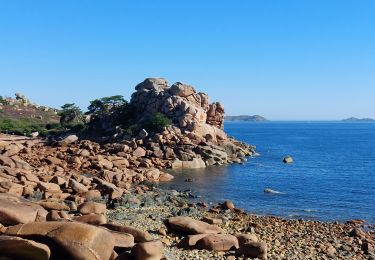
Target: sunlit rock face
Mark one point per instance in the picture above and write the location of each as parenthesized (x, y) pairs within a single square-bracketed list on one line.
[(181, 103)]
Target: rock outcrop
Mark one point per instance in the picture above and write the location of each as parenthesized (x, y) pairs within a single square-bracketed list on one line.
[(197, 138), (181, 103)]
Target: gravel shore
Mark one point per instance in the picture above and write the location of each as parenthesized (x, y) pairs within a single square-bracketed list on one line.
[(286, 239)]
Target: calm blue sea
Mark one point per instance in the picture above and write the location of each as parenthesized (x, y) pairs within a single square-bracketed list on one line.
[(332, 178)]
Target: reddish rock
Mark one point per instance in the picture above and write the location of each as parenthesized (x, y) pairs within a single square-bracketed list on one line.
[(11, 188), (53, 160), (53, 205), (92, 207), (164, 177), (53, 215), (108, 188), (139, 152), (89, 195), (212, 220), (122, 240), (218, 242), (48, 187), (20, 164), (58, 180), (139, 235), (28, 176), (190, 240), (227, 205), (11, 150), (15, 210), (152, 250), (18, 248), (92, 219), (191, 226), (76, 186), (254, 250), (6, 161), (244, 238), (75, 240), (105, 164)]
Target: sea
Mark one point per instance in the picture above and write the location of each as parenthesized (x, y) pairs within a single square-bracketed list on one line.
[(332, 177)]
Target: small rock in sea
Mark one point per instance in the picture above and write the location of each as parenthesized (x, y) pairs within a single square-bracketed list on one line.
[(188, 180), (288, 159), (272, 191), (227, 205)]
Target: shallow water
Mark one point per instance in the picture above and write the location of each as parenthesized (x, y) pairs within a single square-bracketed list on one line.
[(332, 178)]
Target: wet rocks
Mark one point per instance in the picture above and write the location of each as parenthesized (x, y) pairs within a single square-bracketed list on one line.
[(195, 163), (227, 205)]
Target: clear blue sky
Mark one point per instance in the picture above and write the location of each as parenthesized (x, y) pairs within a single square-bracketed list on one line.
[(301, 59)]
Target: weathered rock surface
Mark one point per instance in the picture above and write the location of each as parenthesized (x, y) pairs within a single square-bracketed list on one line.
[(68, 240), (18, 248), (218, 242), (152, 250), (180, 102), (139, 235), (15, 210), (254, 249), (92, 207), (188, 225)]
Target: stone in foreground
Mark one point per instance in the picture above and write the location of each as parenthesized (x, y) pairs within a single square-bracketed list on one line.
[(254, 249), (18, 248), (68, 240), (15, 210), (152, 250)]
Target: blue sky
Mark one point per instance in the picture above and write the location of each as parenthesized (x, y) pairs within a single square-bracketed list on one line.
[(286, 60)]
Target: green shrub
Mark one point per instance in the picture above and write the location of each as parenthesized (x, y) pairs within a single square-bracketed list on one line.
[(158, 122)]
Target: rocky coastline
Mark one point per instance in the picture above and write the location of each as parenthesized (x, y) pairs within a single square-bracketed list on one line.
[(71, 197)]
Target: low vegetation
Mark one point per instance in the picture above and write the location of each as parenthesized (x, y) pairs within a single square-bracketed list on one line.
[(104, 116)]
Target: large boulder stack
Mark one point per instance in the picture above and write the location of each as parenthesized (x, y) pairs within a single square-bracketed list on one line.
[(180, 102)]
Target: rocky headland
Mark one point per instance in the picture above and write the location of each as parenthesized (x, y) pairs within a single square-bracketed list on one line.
[(95, 195)]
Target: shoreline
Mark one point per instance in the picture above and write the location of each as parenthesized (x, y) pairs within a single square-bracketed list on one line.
[(199, 196), (37, 171), (286, 238)]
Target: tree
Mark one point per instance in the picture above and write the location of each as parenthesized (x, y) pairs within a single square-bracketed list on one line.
[(105, 105), (70, 115)]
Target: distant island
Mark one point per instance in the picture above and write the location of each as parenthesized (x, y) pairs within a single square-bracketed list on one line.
[(355, 119), (255, 118)]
